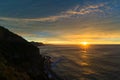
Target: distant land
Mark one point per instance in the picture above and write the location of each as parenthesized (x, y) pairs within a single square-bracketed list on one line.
[(37, 43)]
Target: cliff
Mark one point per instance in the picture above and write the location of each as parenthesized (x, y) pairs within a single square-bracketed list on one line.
[(19, 59)]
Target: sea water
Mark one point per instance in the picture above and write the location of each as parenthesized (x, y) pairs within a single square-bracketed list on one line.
[(93, 62)]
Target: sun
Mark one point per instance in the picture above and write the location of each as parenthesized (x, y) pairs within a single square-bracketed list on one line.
[(84, 43)]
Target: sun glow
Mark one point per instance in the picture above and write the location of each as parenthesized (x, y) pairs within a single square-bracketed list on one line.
[(84, 46), (84, 43)]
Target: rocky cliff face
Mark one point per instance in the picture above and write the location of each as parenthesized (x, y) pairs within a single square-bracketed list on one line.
[(19, 60)]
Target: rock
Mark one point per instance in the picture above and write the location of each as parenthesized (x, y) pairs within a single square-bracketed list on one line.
[(20, 58)]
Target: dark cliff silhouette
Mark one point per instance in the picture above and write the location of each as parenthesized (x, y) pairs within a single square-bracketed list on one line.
[(19, 59)]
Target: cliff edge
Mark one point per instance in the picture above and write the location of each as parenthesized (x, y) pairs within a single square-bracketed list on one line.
[(19, 59)]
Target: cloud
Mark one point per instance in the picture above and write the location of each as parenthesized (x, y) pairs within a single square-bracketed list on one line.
[(50, 19), (83, 11), (90, 9), (77, 10)]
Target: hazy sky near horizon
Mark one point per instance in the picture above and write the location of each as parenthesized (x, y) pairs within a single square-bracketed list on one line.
[(63, 21)]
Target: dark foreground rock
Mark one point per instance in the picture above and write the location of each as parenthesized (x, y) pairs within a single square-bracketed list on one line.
[(19, 60)]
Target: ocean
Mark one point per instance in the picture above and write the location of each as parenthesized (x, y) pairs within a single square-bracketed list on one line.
[(92, 62)]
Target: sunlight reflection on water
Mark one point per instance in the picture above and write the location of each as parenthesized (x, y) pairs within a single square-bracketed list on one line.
[(85, 61)]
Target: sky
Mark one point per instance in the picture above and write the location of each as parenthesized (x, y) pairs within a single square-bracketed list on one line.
[(63, 21)]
